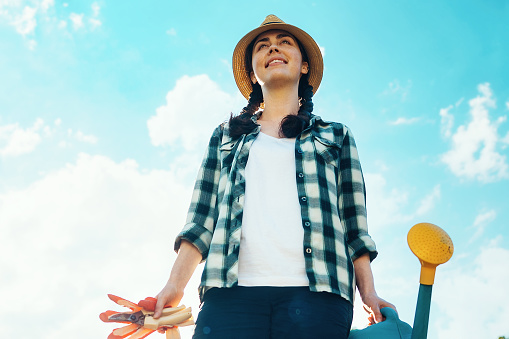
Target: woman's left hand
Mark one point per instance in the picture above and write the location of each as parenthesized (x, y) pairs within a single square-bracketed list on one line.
[(372, 305)]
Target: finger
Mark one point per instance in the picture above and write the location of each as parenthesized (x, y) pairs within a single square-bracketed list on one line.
[(393, 307), (378, 315), (162, 329), (371, 320), (159, 307), (387, 304)]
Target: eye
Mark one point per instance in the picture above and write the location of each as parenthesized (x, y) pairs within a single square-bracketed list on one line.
[(286, 42), (261, 45)]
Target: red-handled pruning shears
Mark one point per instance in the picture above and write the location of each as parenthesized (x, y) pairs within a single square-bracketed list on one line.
[(141, 322)]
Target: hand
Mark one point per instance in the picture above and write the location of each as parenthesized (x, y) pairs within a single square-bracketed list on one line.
[(372, 305), (169, 295), (188, 258)]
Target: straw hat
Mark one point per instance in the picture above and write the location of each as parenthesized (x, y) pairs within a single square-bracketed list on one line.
[(241, 72)]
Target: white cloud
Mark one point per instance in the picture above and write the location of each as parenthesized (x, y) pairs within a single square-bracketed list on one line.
[(446, 122), (484, 217), (94, 23), (171, 32), (91, 228), (388, 207), (405, 121), (77, 20), (31, 44), (481, 222), (47, 131), (25, 18), (193, 109), (505, 140), (507, 105), (95, 9), (25, 22), (90, 139), (384, 205), (322, 50), (473, 296), (395, 88), (428, 202), (7, 6), (226, 63), (17, 141), (80, 136), (474, 153), (46, 4)]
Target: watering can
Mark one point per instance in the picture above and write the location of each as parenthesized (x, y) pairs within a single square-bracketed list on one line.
[(432, 246)]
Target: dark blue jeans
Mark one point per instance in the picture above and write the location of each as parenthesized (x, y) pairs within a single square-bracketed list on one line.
[(272, 313)]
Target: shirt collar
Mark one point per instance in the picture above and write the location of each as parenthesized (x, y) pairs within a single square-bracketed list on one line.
[(256, 116), (314, 118)]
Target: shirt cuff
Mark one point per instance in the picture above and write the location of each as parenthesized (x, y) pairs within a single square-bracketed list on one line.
[(361, 245), (198, 236)]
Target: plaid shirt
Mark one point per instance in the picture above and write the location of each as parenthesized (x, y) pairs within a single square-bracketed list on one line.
[(332, 199)]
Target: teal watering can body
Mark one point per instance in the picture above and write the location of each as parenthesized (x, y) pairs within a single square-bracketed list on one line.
[(391, 328)]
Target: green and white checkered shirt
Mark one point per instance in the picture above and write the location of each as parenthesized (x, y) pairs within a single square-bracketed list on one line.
[(332, 200)]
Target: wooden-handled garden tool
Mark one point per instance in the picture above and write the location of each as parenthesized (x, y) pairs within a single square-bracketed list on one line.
[(432, 246), (141, 322)]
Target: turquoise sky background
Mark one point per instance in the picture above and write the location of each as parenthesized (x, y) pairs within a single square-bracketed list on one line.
[(106, 108)]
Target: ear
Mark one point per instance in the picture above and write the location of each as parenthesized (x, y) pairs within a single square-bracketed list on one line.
[(304, 68), (253, 77)]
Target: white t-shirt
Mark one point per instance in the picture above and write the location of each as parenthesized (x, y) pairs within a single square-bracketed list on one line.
[(271, 245)]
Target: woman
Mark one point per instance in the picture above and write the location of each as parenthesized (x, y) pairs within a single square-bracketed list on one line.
[(278, 210)]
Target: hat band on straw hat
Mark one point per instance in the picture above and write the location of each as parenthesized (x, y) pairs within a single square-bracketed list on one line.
[(241, 71)]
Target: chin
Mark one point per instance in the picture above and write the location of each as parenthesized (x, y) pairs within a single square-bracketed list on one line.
[(280, 79)]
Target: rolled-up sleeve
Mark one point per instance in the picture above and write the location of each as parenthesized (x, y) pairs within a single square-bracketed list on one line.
[(353, 197), (202, 214)]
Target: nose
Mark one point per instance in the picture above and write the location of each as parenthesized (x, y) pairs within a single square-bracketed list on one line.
[(273, 48)]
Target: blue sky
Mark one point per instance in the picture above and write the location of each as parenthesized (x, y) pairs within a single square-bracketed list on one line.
[(106, 108)]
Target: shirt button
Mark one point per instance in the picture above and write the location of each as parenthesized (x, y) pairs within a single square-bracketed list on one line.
[(308, 250), (307, 224), (301, 175), (304, 199), (300, 151)]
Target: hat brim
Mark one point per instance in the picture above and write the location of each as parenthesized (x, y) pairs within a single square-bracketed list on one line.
[(241, 72)]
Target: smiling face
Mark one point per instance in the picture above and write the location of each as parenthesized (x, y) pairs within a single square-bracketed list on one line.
[(277, 59)]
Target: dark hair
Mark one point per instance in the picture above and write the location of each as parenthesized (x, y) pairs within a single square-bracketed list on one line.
[(291, 125)]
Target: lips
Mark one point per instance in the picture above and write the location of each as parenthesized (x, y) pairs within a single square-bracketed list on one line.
[(275, 61)]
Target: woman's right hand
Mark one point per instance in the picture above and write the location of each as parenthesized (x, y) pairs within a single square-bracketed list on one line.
[(169, 295)]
